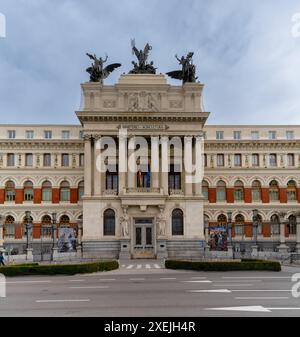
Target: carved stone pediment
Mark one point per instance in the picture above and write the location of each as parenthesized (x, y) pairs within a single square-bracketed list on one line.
[(143, 101)]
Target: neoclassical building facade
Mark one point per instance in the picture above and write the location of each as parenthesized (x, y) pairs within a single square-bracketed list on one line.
[(248, 181)]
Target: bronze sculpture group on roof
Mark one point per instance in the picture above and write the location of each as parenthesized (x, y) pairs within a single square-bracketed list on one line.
[(98, 72)]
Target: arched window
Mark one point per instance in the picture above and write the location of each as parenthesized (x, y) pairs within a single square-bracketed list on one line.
[(10, 191), (80, 190), (238, 191), (177, 222), (28, 191), (205, 189), (291, 190), (222, 220), (64, 221), (46, 191), (275, 225), (109, 222), (221, 191), (46, 229), (256, 191), (274, 190), (239, 226), (292, 225), (64, 191), (9, 227)]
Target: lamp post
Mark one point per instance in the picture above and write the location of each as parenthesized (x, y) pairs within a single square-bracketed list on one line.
[(255, 225), (79, 236), (229, 231), (28, 226), (206, 233), (1, 233), (54, 242)]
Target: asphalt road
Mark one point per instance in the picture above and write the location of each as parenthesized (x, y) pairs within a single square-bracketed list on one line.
[(145, 288)]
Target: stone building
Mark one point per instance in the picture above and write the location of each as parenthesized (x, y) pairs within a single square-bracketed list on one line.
[(250, 187)]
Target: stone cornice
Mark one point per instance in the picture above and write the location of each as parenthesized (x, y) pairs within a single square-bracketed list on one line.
[(251, 145), (40, 144)]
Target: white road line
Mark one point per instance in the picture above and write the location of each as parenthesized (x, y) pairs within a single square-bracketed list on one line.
[(168, 278), (91, 287), (261, 298), (209, 291), (56, 301), (107, 279), (148, 266), (256, 277), (233, 285), (76, 280), (262, 290), (198, 281), (139, 266), (199, 277), (130, 266), (238, 281), (137, 279), (28, 282), (157, 266)]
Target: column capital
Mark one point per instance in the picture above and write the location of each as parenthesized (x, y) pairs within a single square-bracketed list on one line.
[(164, 139), (188, 139)]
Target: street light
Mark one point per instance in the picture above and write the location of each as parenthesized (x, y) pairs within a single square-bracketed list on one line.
[(54, 243), (229, 226), (28, 227), (79, 235), (255, 225)]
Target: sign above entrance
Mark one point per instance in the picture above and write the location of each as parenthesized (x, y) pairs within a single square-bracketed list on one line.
[(131, 127)]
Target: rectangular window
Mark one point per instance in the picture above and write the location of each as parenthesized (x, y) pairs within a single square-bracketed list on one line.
[(10, 159), (273, 159), (290, 135), (236, 135), (291, 159), (219, 135), (220, 159), (237, 160), (81, 159), (48, 134), (174, 178), (28, 159), (29, 134), (65, 134), (64, 160), (254, 135), (11, 134), (255, 159), (272, 135), (239, 230), (47, 160)]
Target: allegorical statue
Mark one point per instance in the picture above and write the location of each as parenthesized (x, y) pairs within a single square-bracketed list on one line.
[(97, 71), (142, 67), (188, 71)]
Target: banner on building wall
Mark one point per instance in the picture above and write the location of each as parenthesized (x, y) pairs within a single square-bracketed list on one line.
[(66, 240), (218, 238)]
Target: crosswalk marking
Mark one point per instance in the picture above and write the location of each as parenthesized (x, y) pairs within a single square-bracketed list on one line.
[(142, 266)]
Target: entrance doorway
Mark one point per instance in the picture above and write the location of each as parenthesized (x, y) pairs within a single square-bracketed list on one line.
[(143, 239)]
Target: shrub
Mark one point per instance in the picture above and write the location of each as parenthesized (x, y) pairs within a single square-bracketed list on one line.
[(224, 266), (61, 269)]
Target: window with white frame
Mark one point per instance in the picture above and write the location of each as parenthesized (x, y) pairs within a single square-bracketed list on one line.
[(65, 134), (220, 159), (29, 134), (255, 159), (291, 159), (65, 160), (273, 159), (254, 135), (237, 159), (219, 135), (289, 135), (47, 134), (272, 135), (10, 159), (11, 134), (28, 159), (237, 135)]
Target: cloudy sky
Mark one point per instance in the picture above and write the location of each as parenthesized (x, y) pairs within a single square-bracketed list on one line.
[(245, 53)]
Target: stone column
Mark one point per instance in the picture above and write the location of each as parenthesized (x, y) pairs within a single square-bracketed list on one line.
[(164, 175), (298, 233), (283, 248), (122, 159), (131, 175), (199, 151), (188, 164), (154, 162), (97, 170), (1, 233), (87, 165)]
